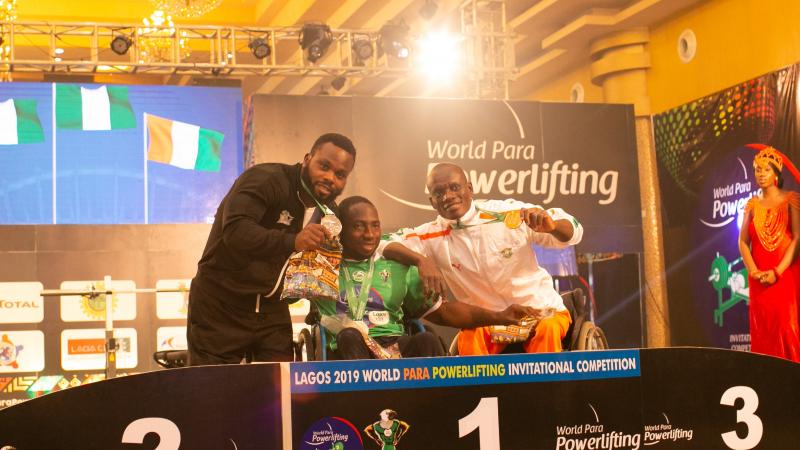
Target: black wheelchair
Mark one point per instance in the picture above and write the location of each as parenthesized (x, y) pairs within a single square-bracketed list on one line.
[(312, 344), (582, 334)]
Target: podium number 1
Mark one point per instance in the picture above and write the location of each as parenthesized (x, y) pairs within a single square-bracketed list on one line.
[(484, 419), (745, 414)]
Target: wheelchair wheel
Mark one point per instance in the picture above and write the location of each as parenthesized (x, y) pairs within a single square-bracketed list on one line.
[(591, 337), (305, 347)]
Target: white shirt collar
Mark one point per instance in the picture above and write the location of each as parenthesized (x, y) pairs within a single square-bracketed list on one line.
[(469, 217)]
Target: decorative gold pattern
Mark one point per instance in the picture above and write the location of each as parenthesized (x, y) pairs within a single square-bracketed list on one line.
[(767, 156)]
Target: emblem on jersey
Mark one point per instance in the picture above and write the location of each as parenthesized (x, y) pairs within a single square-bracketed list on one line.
[(285, 218), (506, 252), (359, 276), (378, 317), (385, 274)]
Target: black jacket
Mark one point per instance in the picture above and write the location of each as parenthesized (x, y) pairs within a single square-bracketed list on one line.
[(253, 233)]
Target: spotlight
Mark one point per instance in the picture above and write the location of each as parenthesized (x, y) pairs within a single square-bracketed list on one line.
[(338, 83), (394, 40), (428, 10), (315, 38), (260, 48), (362, 50), (120, 44)]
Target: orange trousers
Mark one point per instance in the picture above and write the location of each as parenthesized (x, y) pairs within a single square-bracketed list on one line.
[(548, 336)]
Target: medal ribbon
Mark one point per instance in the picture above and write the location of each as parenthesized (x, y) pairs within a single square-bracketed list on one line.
[(494, 217), (357, 304), (325, 210)]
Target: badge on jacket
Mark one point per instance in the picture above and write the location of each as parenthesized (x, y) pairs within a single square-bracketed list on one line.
[(285, 218)]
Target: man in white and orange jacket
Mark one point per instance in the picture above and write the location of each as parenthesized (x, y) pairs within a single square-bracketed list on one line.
[(484, 252)]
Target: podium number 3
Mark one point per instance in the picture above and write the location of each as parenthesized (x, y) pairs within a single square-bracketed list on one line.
[(484, 419), (167, 431), (745, 414)]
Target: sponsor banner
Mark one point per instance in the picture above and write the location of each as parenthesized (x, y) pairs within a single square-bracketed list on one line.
[(171, 338), (21, 351), (21, 302), (92, 308), (418, 373), (84, 349), (706, 177), (172, 305)]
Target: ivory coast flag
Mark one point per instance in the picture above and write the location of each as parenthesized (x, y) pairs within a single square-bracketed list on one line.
[(102, 108), (19, 122), (183, 145)]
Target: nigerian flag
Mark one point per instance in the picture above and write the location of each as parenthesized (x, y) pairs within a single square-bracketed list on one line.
[(19, 123), (183, 145), (102, 108)]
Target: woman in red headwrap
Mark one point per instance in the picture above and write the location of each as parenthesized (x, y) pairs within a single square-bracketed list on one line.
[(768, 242)]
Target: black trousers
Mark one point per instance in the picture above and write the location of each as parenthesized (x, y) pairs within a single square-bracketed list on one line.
[(229, 332), (351, 345)]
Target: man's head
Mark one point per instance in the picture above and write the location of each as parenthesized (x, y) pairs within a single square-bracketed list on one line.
[(450, 192), (326, 167), (388, 414), (361, 227)]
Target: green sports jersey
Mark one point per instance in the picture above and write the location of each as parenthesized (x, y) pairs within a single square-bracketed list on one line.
[(396, 292)]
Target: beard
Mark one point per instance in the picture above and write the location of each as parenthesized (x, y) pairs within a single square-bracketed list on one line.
[(322, 199)]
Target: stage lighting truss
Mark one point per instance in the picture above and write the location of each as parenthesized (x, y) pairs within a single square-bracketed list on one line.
[(314, 49), (315, 38), (260, 48), (394, 40)]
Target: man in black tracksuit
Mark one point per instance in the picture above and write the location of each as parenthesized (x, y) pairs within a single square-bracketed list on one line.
[(271, 211)]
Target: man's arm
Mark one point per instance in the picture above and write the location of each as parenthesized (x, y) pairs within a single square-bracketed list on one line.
[(429, 273), (552, 228), (462, 315), (252, 197)]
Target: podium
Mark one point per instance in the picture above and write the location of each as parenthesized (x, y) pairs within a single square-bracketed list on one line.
[(687, 398)]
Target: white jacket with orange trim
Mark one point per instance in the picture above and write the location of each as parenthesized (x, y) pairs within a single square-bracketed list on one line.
[(489, 264)]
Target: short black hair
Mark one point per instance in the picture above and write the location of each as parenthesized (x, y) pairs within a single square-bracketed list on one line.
[(347, 204), (339, 140), (778, 175)]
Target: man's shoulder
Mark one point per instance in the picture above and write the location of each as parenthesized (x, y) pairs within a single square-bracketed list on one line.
[(276, 174)]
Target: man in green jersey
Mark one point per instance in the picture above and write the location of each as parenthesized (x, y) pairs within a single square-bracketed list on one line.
[(380, 293)]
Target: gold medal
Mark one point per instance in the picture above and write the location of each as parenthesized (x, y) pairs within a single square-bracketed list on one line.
[(513, 219)]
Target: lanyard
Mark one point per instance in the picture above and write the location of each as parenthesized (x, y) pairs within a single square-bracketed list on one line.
[(511, 218), (325, 210), (357, 304)]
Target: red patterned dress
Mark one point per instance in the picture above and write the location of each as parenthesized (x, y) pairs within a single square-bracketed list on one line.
[(774, 326)]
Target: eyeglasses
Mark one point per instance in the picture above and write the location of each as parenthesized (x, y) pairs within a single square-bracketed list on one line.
[(441, 192)]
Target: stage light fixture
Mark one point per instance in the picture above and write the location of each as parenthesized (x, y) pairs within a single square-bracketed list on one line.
[(315, 38), (428, 10), (362, 50), (338, 82), (120, 44), (260, 48), (394, 40)]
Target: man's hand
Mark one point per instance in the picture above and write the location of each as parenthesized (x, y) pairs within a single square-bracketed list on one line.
[(514, 314), (431, 276), (538, 219), (310, 237)]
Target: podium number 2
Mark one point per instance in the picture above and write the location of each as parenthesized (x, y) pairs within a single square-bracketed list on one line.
[(168, 433), (484, 419), (745, 414)]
